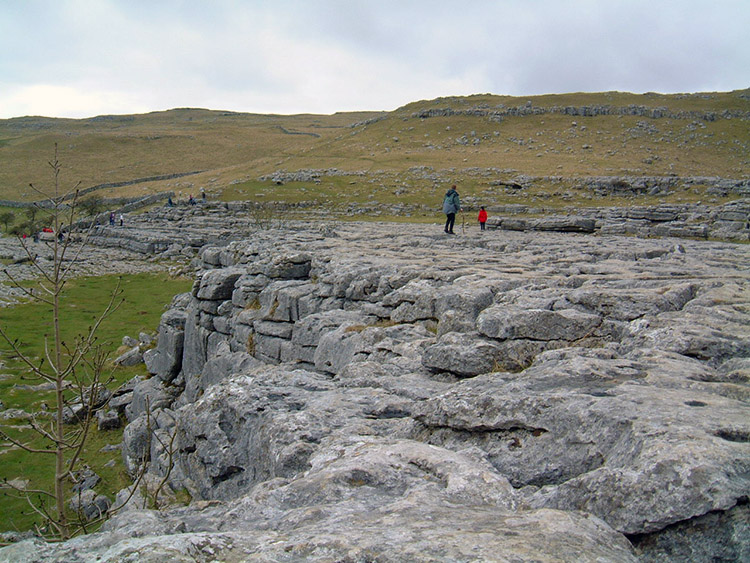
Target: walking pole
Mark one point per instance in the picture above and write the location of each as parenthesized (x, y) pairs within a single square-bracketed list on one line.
[(463, 223)]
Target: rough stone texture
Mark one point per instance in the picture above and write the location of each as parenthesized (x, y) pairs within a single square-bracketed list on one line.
[(108, 420), (132, 357), (505, 322), (165, 360), (90, 504), (382, 392)]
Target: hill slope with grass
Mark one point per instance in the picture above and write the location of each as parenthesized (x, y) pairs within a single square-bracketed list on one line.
[(490, 145)]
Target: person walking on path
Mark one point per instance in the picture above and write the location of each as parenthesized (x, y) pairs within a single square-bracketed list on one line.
[(451, 206), (482, 218)]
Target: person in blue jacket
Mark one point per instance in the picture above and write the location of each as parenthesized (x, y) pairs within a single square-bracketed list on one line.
[(451, 206)]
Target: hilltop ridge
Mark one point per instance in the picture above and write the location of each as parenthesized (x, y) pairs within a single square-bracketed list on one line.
[(479, 141)]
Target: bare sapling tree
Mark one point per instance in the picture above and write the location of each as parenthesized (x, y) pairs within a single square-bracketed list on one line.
[(75, 369)]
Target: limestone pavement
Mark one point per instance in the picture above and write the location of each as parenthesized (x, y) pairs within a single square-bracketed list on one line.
[(362, 391)]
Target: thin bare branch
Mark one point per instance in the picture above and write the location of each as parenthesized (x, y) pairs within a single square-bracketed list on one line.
[(23, 446), (40, 430), (29, 292), (170, 463), (24, 358), (5, 485)]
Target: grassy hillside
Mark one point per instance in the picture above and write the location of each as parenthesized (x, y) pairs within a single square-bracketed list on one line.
[(120, 148), (415, 150), (84, 298)]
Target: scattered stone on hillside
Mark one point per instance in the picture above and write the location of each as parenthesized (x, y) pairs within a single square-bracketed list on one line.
[(79, 409), (132, 357), (85, 479), (108, 420), (90, 504), (129, 341)]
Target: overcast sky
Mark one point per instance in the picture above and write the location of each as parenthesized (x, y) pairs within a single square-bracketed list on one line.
[(81, 58)]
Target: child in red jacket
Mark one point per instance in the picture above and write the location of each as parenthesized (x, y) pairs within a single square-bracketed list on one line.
[(482, 218)]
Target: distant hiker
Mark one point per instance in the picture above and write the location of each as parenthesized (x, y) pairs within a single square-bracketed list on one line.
[(482, 218), (123, 219), (169, 202), (112, 218), (451, 206), (191, 201), (203, 195)]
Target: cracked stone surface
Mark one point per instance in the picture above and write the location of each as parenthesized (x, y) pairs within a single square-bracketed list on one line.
[(386, 392)]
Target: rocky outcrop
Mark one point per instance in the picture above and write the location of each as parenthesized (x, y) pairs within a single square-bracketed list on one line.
[(728, 222), (382, 392), (500, 112), (182, 232)]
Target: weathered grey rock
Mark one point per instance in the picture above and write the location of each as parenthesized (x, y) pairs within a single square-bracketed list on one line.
[(512, 323), (108, 420), (289, 266), (309, 330), (132, 357), (566, 224), (223, 364), (627, 304), (280, 300), (145, 339), (560, 396), (218, 285), (90, 504), (223, 428), (540, 536), (123, 396), (716, 536), (85, 479), (339, 347), (276, 329), (165, 361), (149, 395), (195, 345), (211, 255), (129, 341), (136, 444), (465, 355), (412, 302), (82, 407), (593, 417)]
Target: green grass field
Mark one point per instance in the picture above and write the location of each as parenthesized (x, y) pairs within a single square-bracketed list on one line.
[(144, 298)]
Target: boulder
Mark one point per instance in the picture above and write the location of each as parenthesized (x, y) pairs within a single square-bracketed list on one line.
[(108, 420), (464, 355), (218, 285), (90, 505), (149, 395), (165, 361), (132, 357), (513, 322)]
